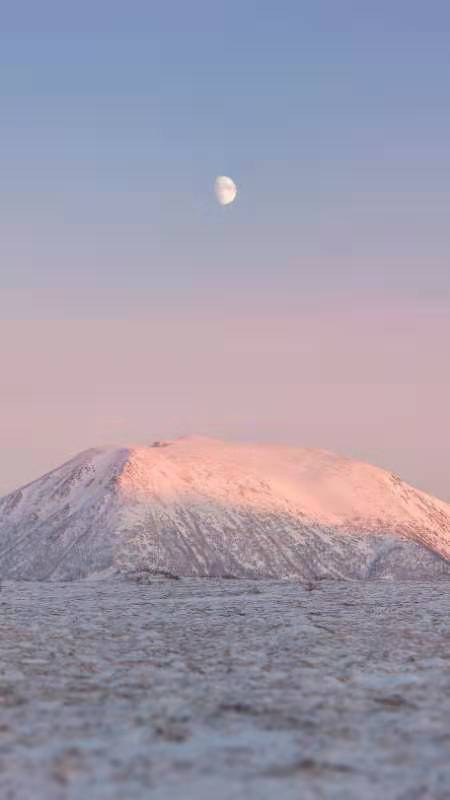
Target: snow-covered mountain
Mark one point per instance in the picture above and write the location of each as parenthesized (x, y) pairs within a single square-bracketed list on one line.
[(204, 507)]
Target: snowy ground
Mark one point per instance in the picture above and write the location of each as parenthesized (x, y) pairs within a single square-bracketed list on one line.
[(230, 689)]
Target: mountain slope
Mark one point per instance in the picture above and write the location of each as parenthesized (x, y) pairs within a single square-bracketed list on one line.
[(204, 507)]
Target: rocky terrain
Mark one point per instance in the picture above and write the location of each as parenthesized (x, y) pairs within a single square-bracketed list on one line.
[(199, 507), (132, 665), (234, 689)]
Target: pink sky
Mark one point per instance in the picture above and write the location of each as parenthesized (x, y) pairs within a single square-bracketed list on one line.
[(371, 383)]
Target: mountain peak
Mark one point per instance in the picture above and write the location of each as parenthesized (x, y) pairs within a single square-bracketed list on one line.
[(200, 506)]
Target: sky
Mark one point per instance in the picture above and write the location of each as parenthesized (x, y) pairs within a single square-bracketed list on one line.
[(314, 310)]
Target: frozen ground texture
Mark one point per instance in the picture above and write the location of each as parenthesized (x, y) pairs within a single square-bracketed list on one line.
[(199, 507), (230, 689)]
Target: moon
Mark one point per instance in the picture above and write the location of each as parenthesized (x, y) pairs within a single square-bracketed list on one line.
[(225, 189)]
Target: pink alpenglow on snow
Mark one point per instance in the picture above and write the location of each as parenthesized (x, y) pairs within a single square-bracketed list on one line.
[(202, 507)]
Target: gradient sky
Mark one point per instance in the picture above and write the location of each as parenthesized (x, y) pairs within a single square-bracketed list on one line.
[(314, 310)]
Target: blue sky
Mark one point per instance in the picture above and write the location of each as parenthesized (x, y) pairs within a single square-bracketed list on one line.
[(333, 118)]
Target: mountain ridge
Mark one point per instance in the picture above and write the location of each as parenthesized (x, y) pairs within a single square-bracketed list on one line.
[(199, 506)]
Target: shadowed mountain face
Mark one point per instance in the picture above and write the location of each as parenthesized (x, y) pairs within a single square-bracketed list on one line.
[(209, 508)]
